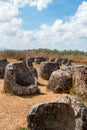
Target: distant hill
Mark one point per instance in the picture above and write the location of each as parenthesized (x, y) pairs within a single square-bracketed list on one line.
[(3, 49)]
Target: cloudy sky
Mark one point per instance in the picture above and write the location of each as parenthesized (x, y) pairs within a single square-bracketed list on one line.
[(54, 24)]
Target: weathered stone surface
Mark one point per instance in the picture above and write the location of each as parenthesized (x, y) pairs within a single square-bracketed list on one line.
[(65, 60), (20, 58), (38, 60), (60, 81), (80, 82), (46, 68), (71, 69), (32, 59), (69, 62), (3, 63), (20, 79), (59, 61), (28, 62), (34, 72), (67, 113), (51, 59)]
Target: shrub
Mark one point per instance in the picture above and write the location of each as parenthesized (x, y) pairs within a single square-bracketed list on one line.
[(71, 92), (23, 128)]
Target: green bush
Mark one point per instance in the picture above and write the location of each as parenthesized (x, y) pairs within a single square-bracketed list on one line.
[(71, 92), (23, 128), (64, 52)]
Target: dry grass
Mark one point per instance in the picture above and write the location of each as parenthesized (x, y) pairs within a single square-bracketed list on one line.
[(79, 59), (14, 109)]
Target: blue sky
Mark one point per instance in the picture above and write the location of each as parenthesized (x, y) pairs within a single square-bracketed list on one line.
[(53, 24), (59, 9)]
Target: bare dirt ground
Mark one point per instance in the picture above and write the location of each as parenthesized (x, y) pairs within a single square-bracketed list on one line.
[(14, 109)]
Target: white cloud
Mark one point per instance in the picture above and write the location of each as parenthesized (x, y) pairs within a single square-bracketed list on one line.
[(69, 35), (40, 4), (60, 35), (7, 11), (10, 8), (10, 28), (20, 3)]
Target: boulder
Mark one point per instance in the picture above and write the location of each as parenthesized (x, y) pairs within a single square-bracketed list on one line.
[(20, 79), (34, 72), (65, 60), (68, 113), (51, 59), (3, 63), (71, 69), (32, 59), (59, 61), (69, 62), (28, 62), (20, 58), (38, 60), (80, 82), (46, 68), (60, 81)]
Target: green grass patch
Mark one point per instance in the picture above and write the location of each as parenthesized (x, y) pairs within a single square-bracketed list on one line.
[(23, 128)]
